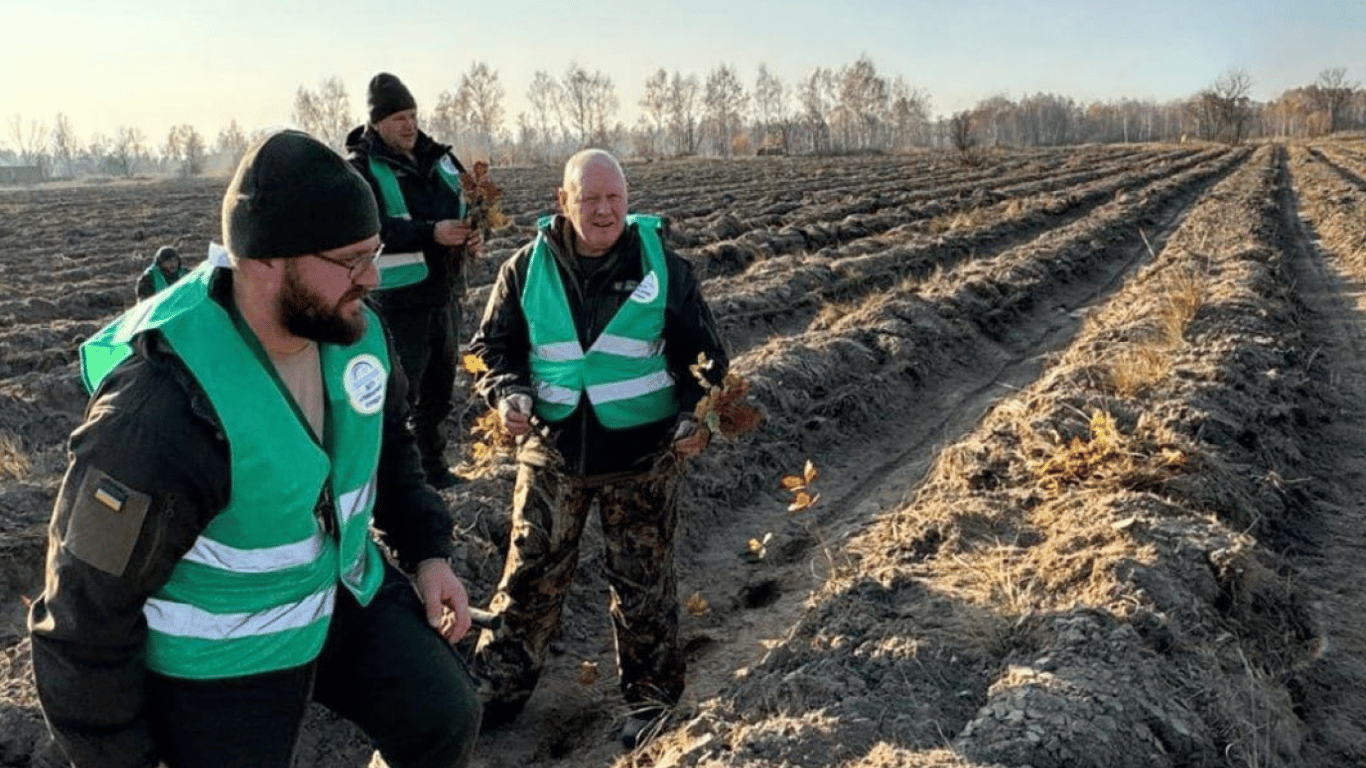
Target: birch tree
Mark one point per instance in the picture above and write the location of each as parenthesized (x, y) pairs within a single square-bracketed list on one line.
[(326, 113), (725, 100)]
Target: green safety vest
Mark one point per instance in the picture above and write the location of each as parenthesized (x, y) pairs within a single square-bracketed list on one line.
[(159, 281), (624, 373), (397, 270), (255, 593)]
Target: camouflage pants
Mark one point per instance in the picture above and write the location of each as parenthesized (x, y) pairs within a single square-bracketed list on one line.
[(639, 516)]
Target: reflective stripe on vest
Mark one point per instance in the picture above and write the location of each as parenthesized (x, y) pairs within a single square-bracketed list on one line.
[(255, 592), (624, 373), (397, 270)]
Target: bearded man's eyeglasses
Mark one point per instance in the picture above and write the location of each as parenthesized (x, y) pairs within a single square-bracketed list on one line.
[(356, 267)]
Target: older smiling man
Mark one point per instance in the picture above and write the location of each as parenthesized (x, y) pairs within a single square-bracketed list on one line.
[(588, 334)]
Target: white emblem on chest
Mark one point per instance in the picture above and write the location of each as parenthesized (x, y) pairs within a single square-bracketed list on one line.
[(364, 381), (647, 290)]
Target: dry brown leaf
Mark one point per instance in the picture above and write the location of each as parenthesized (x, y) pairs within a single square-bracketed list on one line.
[(810, 472), (697, 605), (803, 500), (588, 672), (473, 364)]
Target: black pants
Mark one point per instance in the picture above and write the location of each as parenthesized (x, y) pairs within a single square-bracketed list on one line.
[(382, 667), (428, 344)]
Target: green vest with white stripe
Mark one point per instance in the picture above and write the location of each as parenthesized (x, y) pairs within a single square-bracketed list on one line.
[(397, 270), (624, 373), (255, 593)]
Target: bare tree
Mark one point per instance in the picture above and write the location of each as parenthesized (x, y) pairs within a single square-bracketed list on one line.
[(326, 114), (961, 133), (30, 141), (544, 95), (1332, 93), (588, 100), (1224, 109), (909, 110), (448, 123), (65, 145), (655, 104), (527, 147), (95, 155), (1045, 120), (770, 109), (725, 100), (232, 143), (184, 146), (128, 150), (816, 94), (480, 99), (862, 102), (683, 106)]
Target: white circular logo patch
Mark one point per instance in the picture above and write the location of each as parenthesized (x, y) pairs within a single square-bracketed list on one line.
[(364, 380), (647, 290)]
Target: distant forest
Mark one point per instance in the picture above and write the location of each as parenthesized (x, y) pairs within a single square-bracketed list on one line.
[(850, 110)]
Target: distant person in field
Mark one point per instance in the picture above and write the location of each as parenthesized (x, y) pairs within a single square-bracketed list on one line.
[(164, 270), (214, 557), (426, 240), (588, 337)]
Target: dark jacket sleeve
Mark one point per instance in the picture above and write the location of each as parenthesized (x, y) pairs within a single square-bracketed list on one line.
[(502, 341), (690, 330), (155, 442), (410, 516)]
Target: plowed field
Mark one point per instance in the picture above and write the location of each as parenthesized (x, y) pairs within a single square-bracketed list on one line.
[(1091, 433)]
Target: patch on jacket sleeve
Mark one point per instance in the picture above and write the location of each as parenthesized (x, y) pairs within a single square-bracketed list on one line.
[(106, 519)]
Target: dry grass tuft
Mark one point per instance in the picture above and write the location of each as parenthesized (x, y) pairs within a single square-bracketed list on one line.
[(955, 221), (1135, 370), (1109, 460), (14, 462), (1184, 295), (1081, 459)]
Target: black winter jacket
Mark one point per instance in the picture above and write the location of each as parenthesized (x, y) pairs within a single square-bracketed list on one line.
[(152, 427), (586, 447), (429, 200)]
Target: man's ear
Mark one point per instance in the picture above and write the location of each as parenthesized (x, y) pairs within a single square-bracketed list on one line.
[(263, 272), (562, 197)]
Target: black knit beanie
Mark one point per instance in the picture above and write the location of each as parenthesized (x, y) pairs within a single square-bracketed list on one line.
[(166, 252), (387, 95), (292, 196)]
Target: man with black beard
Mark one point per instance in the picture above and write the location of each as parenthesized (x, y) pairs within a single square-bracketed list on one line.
[(214, 560)]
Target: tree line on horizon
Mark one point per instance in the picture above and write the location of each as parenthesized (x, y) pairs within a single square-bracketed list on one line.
[(850, 110)]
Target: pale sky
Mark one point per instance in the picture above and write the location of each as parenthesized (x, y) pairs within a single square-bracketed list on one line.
[(158, 63)]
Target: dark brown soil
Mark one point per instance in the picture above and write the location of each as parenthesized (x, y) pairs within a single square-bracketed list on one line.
[(1089, 427)]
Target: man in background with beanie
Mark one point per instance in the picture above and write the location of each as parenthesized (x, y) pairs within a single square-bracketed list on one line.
[(211, 567), (422, 211), (164, 270)]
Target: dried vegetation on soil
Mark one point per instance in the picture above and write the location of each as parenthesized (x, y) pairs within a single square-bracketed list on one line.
[(1090, 443)]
